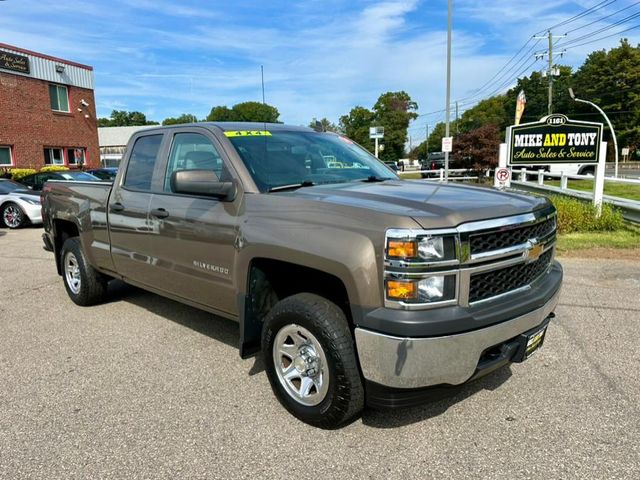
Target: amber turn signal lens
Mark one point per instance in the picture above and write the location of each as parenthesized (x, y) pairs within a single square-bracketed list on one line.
[(402, 249), (401, 290)]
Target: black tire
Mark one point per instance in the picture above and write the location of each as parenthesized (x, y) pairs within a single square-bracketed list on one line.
[(18, 218), (344, 397), (91, 287)]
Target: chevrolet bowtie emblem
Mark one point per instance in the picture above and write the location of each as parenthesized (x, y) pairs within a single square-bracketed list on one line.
[(534, 251)]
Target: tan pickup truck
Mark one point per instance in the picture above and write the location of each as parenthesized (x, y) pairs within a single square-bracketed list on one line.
[(358, 287)]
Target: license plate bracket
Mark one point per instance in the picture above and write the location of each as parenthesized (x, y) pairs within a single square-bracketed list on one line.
[(530, 342)]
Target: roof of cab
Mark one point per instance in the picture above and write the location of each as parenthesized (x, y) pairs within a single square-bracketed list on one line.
[(232, 126), (227, 126)]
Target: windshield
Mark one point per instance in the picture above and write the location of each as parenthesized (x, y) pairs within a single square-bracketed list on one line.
[(78, 176), (282, 158), (9, 186)]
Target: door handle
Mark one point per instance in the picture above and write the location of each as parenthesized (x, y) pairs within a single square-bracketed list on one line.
[(117, 207), (159, 213)]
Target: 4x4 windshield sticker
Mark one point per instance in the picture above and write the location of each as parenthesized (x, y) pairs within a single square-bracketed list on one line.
[(247, 133)]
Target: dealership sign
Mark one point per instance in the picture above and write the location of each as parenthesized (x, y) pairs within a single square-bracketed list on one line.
[(11, 61), (554, 139)]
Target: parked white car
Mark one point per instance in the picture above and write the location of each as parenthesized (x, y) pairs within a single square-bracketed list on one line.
[(18, 205)]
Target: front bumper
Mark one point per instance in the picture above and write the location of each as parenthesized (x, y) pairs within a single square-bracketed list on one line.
[(410, 363)]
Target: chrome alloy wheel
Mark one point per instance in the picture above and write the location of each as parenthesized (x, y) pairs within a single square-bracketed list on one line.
[(12, 216), (72, 272), (301, 365)]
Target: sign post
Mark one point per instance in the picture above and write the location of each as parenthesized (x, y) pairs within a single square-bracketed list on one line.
[(376, 133), (598, 181), (502, 180), (625, 154)]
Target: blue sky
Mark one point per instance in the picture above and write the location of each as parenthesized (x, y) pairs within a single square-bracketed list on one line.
[(321, 58)]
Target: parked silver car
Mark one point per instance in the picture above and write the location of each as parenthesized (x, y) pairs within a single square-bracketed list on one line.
[(18, 205)]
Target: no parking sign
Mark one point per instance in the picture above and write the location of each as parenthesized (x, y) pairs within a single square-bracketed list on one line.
[(503, 177)]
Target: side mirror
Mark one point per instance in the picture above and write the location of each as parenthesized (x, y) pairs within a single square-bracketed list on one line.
[(202, 182)]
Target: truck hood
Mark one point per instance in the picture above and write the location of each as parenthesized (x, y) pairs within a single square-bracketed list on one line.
[(431, 204)]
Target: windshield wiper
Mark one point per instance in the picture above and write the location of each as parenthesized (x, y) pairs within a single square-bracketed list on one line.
[(292, 186), (374, 178)]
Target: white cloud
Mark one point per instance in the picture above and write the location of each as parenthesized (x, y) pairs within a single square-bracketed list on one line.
[(321, 57)]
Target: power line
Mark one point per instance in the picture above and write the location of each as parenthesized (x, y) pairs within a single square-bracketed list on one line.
[(511, 79), (506, 74), (588, 11), (503, 72), (600, 30), (603, 38), (481, 88), (602, 18)]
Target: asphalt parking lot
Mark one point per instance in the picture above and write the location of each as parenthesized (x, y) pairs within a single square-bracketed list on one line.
[(143, 387)]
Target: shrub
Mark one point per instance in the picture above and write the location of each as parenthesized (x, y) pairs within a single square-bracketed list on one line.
[(576, 215), (54, 168), (18, 174)]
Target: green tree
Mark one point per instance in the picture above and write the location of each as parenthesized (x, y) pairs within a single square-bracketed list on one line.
[(435, 137), (355, 125), (611, 79), (493, 110), (221, 113), (394, 111), (123, 118), (256, 112), (184, 118), (324, 125), (244, 112), (536, 89)]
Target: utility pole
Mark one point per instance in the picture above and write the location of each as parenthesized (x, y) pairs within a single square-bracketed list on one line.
[(262, 80), (426, 143), (457, 129), (448, 100), (550, 70)]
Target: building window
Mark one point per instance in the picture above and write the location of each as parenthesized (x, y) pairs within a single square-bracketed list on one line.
[(6, 159), (76, 156), (53, 156), (59, 98)]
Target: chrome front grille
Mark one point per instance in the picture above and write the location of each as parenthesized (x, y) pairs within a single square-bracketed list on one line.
[(510, 237), (498, 282)]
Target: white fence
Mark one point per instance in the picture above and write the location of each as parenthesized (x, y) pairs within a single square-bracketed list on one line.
[(630, 208), (438, 175), (564, 178)]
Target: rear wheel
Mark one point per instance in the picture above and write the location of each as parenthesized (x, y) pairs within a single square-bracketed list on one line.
[(84, 284), (13, 216), (311, 362)]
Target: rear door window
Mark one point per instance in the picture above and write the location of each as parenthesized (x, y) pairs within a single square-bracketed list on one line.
[(142, 162)]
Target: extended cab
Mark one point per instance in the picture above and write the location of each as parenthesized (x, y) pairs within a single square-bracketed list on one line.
[(356, 285)]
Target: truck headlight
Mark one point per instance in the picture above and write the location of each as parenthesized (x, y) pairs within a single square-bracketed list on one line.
[(431, 248), (404, 245), (435, 288)]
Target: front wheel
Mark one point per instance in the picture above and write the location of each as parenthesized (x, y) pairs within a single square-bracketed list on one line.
[(85, 285), (310, 360), (13, 216)]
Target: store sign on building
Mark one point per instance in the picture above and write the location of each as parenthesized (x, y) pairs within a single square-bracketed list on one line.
[(554, 139), (11, 61)]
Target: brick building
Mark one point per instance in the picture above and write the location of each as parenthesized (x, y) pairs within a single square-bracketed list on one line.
[(47, 111)]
